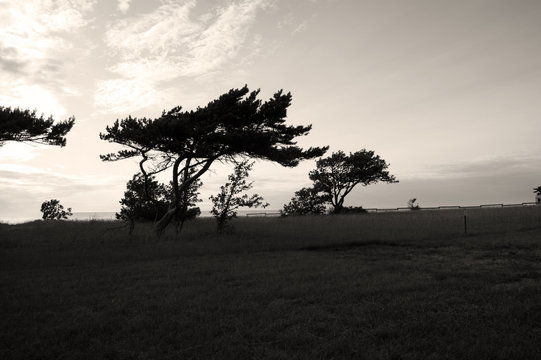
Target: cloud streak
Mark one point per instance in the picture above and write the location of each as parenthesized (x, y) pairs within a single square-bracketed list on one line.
[(170, 43), (26, 187)]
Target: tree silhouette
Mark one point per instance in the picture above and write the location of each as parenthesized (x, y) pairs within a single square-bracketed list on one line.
[(147, 199), (53, 210), (413, 204), (188, 199), (537, 191), (338, 174), (189, 142), (229, 199), (143, 200), (24, 125), (306, 201)]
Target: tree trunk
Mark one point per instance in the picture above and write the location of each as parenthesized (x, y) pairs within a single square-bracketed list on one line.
[(178, 189), (180, 225), (338, 208), (132, 226), (164, 221)]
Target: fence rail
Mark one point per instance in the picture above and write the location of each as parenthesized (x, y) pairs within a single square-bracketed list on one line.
[(451, 207), (274, 213), (398, 209)]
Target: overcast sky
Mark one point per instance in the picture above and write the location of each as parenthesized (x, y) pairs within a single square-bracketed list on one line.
[(446, 91)]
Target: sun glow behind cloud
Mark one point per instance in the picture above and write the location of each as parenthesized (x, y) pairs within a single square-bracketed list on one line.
[(34, 43)]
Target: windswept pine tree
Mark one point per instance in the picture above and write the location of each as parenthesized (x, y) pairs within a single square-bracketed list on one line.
[(190, 142), (26, 126), (337, 175)]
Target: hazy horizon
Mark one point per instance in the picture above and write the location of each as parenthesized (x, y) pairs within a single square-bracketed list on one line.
[(446, 92)]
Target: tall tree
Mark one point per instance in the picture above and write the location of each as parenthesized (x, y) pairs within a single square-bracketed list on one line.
[(338, 174), (232, 195), (25, 125), (189, 142)]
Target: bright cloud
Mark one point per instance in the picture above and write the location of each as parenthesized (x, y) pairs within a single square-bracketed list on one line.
[(123, 95), (34, 27), (17, 152), (31, 97), (34, 47), (170, 42), (124, 6)]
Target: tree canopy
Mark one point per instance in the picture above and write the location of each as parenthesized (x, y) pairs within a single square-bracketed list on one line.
[(143, 200), (236, 124), (25, 125), (338, 174), (53, 210)]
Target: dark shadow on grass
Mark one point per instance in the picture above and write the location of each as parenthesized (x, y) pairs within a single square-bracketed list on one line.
[(354, 245)]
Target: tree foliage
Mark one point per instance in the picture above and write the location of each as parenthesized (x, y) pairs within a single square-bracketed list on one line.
[(53, 210), (353, 210), (143, 200), (337, 175), (537, 190), (306, 201), (148, 200), (25, 125), (236, 124), (227, 202)]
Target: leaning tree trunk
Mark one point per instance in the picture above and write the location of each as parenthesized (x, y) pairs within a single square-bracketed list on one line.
[(179, 189), (180, 225), (132, 226), (164, 221)]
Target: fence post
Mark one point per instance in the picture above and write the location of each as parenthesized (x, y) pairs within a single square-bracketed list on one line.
[(465, 224)]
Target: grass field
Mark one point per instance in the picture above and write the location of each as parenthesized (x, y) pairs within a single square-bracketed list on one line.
[(372, 286)]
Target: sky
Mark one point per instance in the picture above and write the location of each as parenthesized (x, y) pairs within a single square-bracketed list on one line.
[(446, 91)]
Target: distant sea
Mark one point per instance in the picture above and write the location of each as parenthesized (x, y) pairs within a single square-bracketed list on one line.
[(89, 215), (110, 215)]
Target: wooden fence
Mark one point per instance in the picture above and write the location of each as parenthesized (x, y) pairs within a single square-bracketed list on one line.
[(451, 207), (447, 207)]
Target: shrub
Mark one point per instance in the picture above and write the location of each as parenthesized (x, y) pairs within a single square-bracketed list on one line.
[(53, 210)]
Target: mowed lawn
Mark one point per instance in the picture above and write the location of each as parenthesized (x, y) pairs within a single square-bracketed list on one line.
[(372, 286)]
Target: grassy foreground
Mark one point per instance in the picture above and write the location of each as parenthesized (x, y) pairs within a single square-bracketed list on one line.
[(373, 286)]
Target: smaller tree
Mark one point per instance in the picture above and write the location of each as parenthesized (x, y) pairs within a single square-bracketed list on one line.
[(353, 210), (338, 174), (228, 200), (149, 200), (24, 125), (143, 201), (537, 190), (53, 210), (413, 205), (306, 201)]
